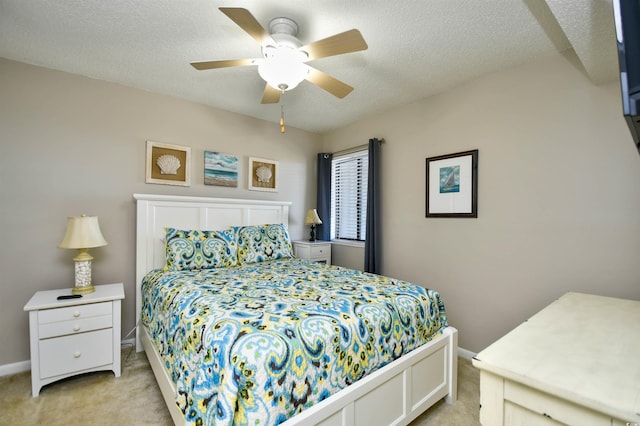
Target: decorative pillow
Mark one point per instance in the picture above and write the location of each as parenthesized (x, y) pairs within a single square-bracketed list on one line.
[(191, 249), (263, 242)]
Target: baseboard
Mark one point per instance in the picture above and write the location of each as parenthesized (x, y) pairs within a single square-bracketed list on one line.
[(128, 342), (463, 353), (19, 367), (14, 368), (22, 366)]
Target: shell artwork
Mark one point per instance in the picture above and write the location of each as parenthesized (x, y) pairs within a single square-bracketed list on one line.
[(264, 174), (169, 164)]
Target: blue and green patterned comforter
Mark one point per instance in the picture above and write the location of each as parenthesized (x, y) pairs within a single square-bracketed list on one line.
[(256, 344)]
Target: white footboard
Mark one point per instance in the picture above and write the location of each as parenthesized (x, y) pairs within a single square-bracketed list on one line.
[(394, 395)]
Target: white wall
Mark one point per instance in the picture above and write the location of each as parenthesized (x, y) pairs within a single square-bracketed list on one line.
[(559, 195), (73, 145)]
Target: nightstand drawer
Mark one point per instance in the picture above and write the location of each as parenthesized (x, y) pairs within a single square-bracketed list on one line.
[(79, 325), (74, 312), (320, 251), (75, 353)]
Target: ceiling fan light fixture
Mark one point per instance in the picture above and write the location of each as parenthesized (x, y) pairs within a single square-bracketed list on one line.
[(283, 63), (283, 68)]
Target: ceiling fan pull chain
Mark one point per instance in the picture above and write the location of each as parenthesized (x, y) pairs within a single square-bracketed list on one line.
[(282, 119)]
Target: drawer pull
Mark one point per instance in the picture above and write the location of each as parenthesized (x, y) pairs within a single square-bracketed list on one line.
[(76, 354), (76, 314), (76, 327)]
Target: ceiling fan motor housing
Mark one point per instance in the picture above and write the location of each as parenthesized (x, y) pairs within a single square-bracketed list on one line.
[(283, 26)]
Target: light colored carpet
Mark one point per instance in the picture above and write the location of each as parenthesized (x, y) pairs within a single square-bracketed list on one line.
[(134, 399), (466, 410)]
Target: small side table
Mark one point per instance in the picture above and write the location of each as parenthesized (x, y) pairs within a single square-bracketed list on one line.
[(74, 336), (317, 251)]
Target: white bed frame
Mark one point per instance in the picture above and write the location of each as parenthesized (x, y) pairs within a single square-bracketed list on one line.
[(393, 395)]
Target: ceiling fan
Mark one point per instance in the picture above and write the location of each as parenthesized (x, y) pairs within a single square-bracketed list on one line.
[(283, 63)]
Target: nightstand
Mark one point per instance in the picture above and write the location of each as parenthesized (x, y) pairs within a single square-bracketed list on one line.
[(74, 336), (318, 251)]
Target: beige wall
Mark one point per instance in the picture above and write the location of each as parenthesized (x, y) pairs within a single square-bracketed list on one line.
[(559, 195), (559, 187), (348, 255), (73, 145)]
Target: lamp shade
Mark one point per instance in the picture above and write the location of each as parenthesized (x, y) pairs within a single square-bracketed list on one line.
[(312, 218), (82, 232)]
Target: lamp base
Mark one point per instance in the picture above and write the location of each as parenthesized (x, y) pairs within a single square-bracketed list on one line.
[(313, 233), (83, 290), (83, 273)]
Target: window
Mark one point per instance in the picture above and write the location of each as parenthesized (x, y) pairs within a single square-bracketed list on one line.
[(349, 175)]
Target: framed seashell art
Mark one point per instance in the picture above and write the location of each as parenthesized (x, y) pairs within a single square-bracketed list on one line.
[(168, 164), (263, 175)]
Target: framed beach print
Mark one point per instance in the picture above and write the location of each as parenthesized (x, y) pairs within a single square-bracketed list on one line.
[(168, 164), (263, 175), (220, 169), (452, 185)]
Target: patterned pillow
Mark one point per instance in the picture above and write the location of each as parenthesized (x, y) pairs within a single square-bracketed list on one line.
[(190, 249), (263, 242)]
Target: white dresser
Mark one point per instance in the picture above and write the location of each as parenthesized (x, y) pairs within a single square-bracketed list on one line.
[(74, 336), (576, 362), (318, 251)]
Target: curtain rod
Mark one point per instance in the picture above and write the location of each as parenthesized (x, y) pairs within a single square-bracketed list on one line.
[(354, 149)]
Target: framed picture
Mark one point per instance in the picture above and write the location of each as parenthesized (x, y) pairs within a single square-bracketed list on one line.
[(220, 169), (452, 185), (168, 164), (263, 175)]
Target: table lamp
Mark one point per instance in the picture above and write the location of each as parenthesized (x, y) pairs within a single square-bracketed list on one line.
[(312, 219), (83, 233)]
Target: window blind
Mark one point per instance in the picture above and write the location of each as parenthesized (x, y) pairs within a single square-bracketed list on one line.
[(349, 176)]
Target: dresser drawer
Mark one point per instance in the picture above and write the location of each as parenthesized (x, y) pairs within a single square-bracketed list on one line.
[(74, 312), (75, 353), (79, 325), (547, 407)]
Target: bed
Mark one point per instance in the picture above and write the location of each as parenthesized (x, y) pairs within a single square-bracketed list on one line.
[(368, 375)]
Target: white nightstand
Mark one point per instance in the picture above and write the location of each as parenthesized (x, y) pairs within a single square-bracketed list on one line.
[(74, 336), (318, 251)]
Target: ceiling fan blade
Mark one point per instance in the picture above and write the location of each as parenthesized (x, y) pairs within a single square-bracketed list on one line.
[(223, 64), (245, 20), (271, 95), (328, 83), (346, 42)]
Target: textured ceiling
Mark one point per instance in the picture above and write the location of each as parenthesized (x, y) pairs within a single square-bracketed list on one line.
[(417, 48)]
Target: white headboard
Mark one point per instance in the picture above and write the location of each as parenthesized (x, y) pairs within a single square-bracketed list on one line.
[(155, 212)]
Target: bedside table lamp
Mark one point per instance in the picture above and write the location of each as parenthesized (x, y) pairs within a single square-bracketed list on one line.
[(312, 219), (83, 233)]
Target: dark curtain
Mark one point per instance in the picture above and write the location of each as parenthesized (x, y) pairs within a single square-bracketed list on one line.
[(323, 202), (372, 241)]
